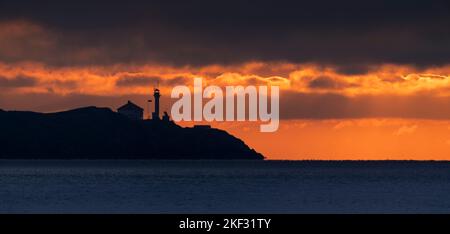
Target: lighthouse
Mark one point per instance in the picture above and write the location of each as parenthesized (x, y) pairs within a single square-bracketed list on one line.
[(156, 95)]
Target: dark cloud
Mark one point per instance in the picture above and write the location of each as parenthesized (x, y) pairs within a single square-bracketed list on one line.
[(138, 81), (334, 106), (343, 33), (325, 82), (150, 81), (17, 82)]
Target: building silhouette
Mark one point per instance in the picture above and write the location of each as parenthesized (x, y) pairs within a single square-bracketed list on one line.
[(166, 117), (131, 111), (156, 95), (135, 112)]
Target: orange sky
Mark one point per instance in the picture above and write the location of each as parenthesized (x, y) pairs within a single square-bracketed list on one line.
[(357, 80), (382, 130), (350, 139)]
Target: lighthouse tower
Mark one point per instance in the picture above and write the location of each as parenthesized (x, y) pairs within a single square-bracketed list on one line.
[(156, 95)]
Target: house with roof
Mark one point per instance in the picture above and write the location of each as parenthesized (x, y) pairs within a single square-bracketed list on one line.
[(131, 111)]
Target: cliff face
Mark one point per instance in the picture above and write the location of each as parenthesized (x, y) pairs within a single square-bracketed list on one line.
[(99, 133)]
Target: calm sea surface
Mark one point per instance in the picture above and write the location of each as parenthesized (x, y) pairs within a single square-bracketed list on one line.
[(223, 187)]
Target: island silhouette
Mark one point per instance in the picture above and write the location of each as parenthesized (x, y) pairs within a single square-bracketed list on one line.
[(101, 133)]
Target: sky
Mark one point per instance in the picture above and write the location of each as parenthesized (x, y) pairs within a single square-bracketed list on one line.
[(360, 80)]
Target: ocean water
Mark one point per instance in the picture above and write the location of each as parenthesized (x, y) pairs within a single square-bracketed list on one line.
[(223, 187)]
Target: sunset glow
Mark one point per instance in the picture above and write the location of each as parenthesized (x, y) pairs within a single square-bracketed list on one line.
[(367, 111)]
